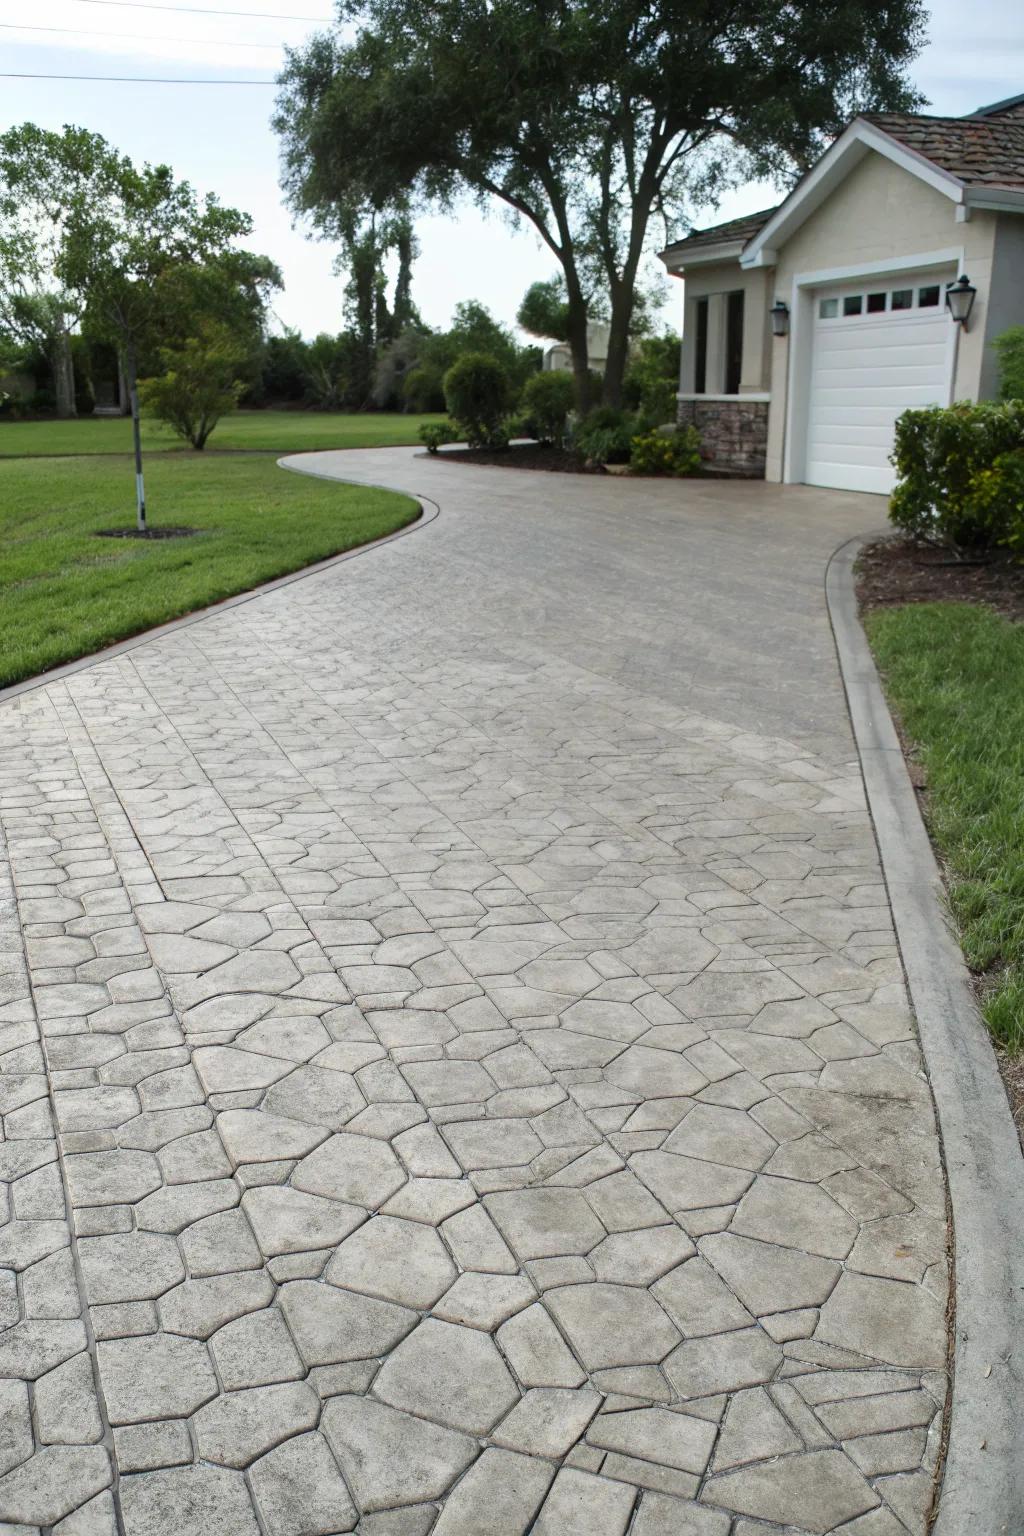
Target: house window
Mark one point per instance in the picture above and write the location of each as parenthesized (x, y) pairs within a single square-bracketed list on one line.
[(902, 298), (700, 364), (876, 303), (733, 342), (928, 298)]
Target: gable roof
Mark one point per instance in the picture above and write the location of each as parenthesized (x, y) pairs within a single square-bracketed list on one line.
[(1012, 106), (978, 151), (742, 229)]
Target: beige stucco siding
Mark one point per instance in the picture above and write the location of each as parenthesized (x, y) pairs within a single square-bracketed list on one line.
[(1006, 304), (880, 212)]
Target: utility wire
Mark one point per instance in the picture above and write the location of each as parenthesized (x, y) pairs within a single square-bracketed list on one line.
[(131, 79), (203, 10), (16, 26)]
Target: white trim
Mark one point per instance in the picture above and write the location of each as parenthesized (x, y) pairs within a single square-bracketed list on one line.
[(755, 398), (1002, 199), (801, 339), (706, 256), (834, 166)]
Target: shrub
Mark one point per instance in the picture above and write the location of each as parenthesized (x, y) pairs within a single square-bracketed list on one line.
[(434, 433), (605, 435), (199, 384), (999, 498), (423, 388), (666, 453), (652, 377), (1010, 352), (941, 456), (476, 392), (547, 400)]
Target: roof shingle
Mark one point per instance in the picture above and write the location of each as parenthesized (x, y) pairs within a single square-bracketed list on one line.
[(980, 151), (743, 229)]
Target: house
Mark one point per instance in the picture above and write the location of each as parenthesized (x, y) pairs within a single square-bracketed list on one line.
[(559, 355), (810, 327)]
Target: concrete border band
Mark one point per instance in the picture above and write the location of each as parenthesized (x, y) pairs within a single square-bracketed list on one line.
[(982, 1489)]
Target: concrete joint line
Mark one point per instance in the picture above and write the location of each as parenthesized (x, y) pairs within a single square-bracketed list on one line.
[(983, 1482)]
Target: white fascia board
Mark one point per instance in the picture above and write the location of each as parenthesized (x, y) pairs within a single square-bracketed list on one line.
[(999, 199), (833, 167), (677, 262)]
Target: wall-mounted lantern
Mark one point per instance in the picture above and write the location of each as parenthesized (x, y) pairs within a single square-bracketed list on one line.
[(780, 318), (960, 300)]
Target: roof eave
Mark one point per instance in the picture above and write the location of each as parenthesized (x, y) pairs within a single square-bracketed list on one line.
[(998, 199), (677, 259)]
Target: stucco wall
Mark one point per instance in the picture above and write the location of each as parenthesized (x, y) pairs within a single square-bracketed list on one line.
[(1006, 301), (880, 212)]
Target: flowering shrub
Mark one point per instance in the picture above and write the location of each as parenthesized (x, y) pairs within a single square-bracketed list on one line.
[(666, 453)]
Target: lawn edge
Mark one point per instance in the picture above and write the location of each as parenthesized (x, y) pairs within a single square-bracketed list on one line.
[(429, 510), (983, 1480)]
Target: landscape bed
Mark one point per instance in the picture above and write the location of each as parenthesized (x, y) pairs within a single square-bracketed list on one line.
[(949, 642)]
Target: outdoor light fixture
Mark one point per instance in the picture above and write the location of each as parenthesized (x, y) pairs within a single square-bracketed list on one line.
[(960, 300), (780, 317)]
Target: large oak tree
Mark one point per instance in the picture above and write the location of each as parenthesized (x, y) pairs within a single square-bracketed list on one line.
[(584, 118)]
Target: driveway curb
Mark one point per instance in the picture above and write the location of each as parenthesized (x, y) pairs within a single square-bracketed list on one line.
[(983, 1483), (428, 511)]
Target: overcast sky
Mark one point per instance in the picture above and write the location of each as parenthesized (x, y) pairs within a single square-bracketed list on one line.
[(219, 138)]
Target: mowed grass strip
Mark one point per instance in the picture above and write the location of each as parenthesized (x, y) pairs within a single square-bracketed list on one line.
[(954, 673), (65, 593), (254, 431)]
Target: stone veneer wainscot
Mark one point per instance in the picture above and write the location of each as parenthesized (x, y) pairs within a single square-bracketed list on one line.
[(733, 431)]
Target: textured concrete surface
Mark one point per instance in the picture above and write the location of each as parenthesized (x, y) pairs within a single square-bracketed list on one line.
[(457, 1074)]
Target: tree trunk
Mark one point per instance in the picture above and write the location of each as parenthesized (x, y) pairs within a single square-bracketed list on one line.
[(131, 372), (123, 402), (63, 376), (618, 338), (577, 339)]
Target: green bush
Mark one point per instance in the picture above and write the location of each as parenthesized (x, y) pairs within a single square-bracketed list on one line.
[(198, 386), (652, 377), (547, 400), (1010, 352), (666, 453), (434, 433), (999, 497), (476, 392), (423, 388), (942, 457), (605, 435)]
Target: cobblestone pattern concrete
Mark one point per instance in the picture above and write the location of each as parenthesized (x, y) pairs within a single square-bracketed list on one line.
[(484, 1092)]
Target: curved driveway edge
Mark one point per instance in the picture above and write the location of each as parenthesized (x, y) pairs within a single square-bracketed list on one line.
[(983, 1485), (428, 511)]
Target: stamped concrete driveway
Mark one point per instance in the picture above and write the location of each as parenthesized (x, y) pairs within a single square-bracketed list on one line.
[(457, 1075)]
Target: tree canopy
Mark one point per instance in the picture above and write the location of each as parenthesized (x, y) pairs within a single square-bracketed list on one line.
[(584, 119)]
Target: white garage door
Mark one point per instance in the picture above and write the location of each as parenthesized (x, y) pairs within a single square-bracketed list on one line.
[(878, 349)]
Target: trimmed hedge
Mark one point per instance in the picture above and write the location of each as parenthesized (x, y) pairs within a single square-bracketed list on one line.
[(959, 475)]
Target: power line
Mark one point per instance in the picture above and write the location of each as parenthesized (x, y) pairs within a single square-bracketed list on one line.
[(203, 10), (130, 79), (15, 26)]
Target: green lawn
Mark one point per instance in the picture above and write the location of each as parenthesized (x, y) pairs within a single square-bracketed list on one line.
[(65, 593), (954, 673), (256, 431)]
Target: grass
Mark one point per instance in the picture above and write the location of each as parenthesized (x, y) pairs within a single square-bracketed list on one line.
[(254, 431), (955, 677), (65, 593)]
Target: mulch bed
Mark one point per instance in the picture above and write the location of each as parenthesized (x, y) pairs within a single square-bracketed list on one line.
[(893, 570), (162, 531), (524, 456)]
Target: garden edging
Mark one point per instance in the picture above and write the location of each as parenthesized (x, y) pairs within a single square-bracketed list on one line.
[(983, 1482)]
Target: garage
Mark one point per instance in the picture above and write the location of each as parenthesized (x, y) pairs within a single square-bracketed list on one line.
[(879, 348)]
